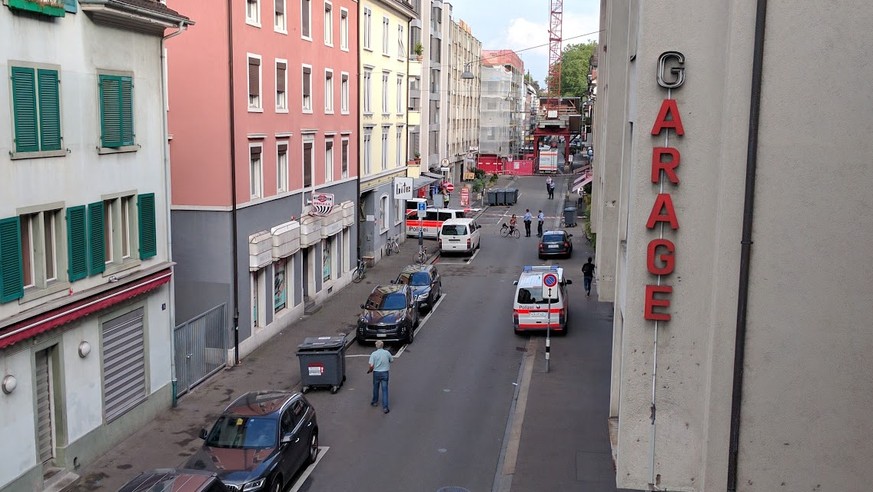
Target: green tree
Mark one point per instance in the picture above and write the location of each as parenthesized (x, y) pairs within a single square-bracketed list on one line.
[(528, 79), (574, 68)]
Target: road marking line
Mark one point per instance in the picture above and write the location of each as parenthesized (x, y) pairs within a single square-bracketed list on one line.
[(422, 322), (322, 450), (512, 435)]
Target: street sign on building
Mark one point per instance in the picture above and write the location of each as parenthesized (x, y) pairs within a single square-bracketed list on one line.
[(322, 203), (402, 188)]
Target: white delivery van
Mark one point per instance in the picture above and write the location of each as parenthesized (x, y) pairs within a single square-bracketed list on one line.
[(459, 236), (531, 309)]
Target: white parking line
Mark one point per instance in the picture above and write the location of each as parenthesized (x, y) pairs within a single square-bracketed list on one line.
[(322, 450), (422, 322)]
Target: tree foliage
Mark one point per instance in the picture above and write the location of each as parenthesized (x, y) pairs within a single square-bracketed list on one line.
[(528, 79), (574, 68)]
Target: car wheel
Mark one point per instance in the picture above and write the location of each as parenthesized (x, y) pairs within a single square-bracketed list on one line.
[(411, 336), (313, 448), (276, 484), (360, 340)]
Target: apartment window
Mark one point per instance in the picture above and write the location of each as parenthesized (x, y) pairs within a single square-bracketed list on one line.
[(254, 83), (308, 160), (368, 133), (119, 225), (280, 22), (383, 213), (398, 211), (385, 130), (386, 25), (282, 166), (344, 29), (307, 88), (345, 158), (280, 285), (399, 94), (344, 93), (328, 160), (116, 111), (368, 21), (399, 146), (328, 24), (305, 20), (256, 178), (385, 104), (328, 91), (368, 76), (281, 86), (253, 12), (401, 47), (39, 233), (36, 109)]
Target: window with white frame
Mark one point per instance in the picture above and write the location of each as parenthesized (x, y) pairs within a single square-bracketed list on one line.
[(281, 293), (344, 93), (401, 43), (40, 247), (281, 86), (254, 82), (385, 130), (280, 22), (367, 150), (253, 12), (328, 24), (328, 160), (308, 159), (399, 95), (282, 166), (344, 29), (386, 25), (306, 19), (344, 157), (368, 22), (398, 211), (368, 76), (328, 91), (256, 175), (119, 229), (399, 144), (385, 99), (307, 89), (384, 220)]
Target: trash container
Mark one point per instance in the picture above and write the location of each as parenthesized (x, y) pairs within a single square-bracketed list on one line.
[(511, 196), (492, 196), (322, 363), (570, 216), (500, 194)]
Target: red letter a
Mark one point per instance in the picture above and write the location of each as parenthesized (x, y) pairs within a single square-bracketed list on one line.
[(668, 108)]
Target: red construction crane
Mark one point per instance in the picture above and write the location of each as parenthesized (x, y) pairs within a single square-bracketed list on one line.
[(556, 19)]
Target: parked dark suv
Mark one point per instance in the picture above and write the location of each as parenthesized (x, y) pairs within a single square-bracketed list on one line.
[(390, 314), (427, 286), (260, 441)]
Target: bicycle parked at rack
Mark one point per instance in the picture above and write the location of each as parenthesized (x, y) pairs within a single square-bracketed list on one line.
[(360, 271), (392, 247), (507, 230), (421, 256)]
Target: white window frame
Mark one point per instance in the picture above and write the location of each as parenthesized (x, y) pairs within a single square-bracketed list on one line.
[(344, 92), (385, 99), (255, 105), (306, 4), (307, 139), (306, 100), (368, 29), (366, 152), (401, 46), (253, 18), (344, 29), (281, 97), (400, 99), (282, 165), (386, 35), (285, 265), (384, 216), (345, 148), (328, 24), (366, 106), (328, 91), (329, 145), (385, 131), (399, 144), (32, 224), (256, 172), (280, 20), (120, 210), (398, 211)]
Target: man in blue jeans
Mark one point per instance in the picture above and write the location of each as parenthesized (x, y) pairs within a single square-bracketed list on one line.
[(380, 361), (588, 276)]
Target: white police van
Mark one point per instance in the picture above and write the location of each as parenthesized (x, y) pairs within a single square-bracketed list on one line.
[(531, 309)]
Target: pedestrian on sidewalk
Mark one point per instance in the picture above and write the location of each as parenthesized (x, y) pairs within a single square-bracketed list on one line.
[(380, 362), (446, 200), (527, 219), (540, 219), (550, 187), (588, 276)]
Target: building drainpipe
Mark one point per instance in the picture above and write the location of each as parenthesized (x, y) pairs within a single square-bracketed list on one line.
[(746, 243), (233, 211), (167, 201)]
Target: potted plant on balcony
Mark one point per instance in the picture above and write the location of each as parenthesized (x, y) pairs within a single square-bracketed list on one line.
[(418, 49)]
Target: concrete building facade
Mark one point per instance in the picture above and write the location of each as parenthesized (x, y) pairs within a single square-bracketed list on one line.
[(501, 109), (462, 117), (86, 304), (730, 202)]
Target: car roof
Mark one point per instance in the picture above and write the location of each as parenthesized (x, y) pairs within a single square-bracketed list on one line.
[(555, 231), (460, 220), (260, 403), (388, 289), (169, 480)]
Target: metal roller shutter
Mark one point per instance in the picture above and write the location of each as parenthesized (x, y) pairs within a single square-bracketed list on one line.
[(124, 384), (45, 433)]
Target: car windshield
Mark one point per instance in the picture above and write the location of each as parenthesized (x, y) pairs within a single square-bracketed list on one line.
[(237, 432), (454, 230), (553, 238), (417, 279), (389, 302), (534, 295)]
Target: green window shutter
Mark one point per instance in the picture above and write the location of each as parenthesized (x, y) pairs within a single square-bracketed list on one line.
[(148, 243), (110, 111), (96, 252), (11, 274), (49, 110), (24, 109), (126, 101), (77, 243), (70, 6)]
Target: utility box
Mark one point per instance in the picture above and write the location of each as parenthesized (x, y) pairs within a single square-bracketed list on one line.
[(511, 196), (500, 194), (570, 216), (322, 363)]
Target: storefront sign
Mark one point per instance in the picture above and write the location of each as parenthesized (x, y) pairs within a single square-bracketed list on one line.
[(322, 203), (402, 188)]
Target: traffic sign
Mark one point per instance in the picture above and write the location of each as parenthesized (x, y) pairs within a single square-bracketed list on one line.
[(550, 280), (422, 208), (450, 187)]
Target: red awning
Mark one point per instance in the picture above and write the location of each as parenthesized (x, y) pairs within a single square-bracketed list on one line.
[(44, 322), (582, 181)]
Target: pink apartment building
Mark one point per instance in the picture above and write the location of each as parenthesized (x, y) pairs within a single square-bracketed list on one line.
[(263, 144)]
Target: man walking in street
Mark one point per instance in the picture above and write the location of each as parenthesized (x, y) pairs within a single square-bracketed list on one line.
[(527, 218), (446, 199), (588, 276), (550, 187), (540, 219), (380, 361)]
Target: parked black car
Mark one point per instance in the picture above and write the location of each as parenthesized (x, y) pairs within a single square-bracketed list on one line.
[(555, 243), (260, 441), (390, 314), (174, 480), (426, 283)]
